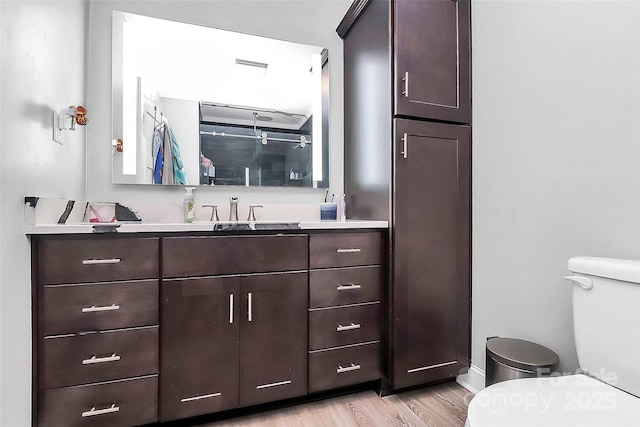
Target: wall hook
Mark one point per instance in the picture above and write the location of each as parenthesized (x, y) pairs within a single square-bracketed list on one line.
[(67, 119)]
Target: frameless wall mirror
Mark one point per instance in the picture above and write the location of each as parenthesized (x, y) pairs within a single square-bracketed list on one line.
[(201, 106)]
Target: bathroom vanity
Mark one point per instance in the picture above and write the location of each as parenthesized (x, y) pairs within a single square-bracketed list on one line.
[(136, 328)]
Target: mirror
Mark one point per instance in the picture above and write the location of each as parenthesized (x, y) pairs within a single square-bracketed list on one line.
[(194, 105)]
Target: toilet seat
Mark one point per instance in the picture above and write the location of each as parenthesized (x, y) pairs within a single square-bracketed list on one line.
[(573, 400)]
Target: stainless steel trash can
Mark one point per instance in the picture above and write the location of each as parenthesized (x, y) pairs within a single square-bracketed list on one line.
[(511, 358)]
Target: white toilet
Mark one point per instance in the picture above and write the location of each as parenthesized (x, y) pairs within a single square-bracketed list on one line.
[(606, 318)]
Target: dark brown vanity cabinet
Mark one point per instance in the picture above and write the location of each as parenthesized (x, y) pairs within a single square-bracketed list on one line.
[(431, 67), (132, 330), (345, 313), (407, 96), (431, 252), (422, 47), (233, 339), (95, 331)]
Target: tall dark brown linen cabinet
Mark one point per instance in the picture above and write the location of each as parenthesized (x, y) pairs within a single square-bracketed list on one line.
[(408, 160)]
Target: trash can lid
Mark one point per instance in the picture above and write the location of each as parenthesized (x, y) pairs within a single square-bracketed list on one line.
[(521, 354)]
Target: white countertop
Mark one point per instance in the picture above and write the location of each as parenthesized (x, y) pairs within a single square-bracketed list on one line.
[(199, 226)]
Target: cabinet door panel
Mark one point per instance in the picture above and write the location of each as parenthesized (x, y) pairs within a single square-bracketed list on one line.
[(98, 260), (218, 255), (126, 402), (273, 345), (432, 59), (340, 326), (342, 286), (200, 327), (345, 249), (100, 356), (99, 306), (344, 366), (431, 252)]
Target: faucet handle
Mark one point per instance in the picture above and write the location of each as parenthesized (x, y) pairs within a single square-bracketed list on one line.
[(252, 214), (214, 212)]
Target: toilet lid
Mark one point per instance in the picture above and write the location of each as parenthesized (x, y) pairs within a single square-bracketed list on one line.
[(574, 400)]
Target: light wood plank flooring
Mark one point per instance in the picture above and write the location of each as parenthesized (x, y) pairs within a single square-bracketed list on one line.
[(442, 405)]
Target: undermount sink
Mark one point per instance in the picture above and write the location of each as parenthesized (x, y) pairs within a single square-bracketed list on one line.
[(253, 225)]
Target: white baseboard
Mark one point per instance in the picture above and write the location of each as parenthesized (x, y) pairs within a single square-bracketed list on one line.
[(473, 380)]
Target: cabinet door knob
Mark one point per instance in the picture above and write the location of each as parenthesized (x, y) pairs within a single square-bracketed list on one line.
[(350, 327), (94, 309), (93, 359), (353, 367), (405, 80), (404, 151), (100, 261), (349, 287), (348, 250), (110, 410)]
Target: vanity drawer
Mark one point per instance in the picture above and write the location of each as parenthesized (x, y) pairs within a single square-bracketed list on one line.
[(98, 260), (344, 249), (341, 286), (343, 326), (209, 256), (341, 367), (100, 356), (115, 403), (90, 307)]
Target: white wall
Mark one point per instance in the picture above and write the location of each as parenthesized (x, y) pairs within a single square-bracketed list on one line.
[(43, 68), (556, 159), (309, 22)]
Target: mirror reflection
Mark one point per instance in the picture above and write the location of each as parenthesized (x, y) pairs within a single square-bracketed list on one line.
[(201, 106)]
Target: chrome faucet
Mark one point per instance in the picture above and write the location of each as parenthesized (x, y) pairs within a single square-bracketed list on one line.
[(214, 212), (233, 208), (252, 212)]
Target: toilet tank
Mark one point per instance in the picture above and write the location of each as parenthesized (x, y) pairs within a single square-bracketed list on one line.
[(606, 319)]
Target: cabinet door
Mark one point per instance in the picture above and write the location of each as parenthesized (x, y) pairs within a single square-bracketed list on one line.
[(273, 337), (432, 59), (431, 251), (199, 346)]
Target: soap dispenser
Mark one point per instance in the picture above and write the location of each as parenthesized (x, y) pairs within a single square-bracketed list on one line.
[(188, 206)]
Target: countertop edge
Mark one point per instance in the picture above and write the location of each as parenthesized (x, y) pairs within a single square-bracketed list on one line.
[(114, 228)]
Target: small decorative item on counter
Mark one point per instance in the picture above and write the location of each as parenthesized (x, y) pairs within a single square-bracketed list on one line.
[(328, 211), (101, 212), (343, 208), (188, 207)]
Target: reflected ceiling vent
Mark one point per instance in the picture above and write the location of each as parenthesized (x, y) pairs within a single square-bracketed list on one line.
[(261, 118)]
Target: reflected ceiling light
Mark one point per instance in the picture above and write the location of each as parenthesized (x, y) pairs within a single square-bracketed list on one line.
[(251, 68), (251, 63)]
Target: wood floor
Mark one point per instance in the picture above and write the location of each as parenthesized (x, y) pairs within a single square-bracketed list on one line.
[(440, 405)]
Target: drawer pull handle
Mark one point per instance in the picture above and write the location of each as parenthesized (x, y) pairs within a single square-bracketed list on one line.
[(110, 410), (350, 327), (349, 250), (100, 261), (113, 358), (231, 308), (273, 384), (353, 367), (93, 308), (349, 287), (204, 396), (249, 308)]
